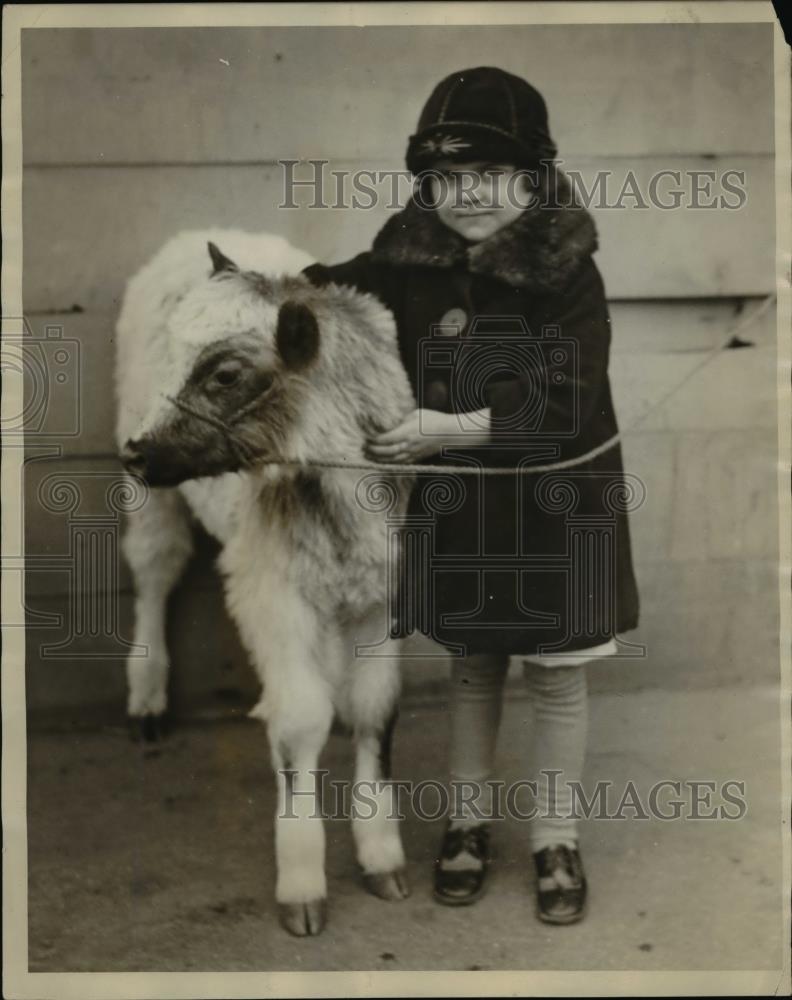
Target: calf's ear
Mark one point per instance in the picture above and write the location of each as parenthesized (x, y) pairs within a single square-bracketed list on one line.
[(219, 260), (297, 335)]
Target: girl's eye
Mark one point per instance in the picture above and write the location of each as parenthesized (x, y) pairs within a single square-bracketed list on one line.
[(227, 376)]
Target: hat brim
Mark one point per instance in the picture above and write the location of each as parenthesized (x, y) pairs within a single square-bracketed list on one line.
[(467, 142)]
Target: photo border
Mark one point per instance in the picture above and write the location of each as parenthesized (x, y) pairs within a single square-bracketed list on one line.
[(17, 981)]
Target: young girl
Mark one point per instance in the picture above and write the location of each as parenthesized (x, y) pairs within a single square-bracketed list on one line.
[(492, 260)]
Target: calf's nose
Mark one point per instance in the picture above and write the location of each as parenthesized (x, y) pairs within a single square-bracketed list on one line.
[(133, 457)]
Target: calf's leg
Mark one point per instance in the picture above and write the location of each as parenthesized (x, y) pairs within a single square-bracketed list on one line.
[(299, 718), (374, 693), (157, 545)]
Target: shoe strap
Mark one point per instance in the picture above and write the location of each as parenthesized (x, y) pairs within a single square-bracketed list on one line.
[(559, 868), (461, 862), (470, 840), (560, 879)]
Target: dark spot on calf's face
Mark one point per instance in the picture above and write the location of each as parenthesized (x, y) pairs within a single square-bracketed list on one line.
[(237, 403), (227, 375), (182, 448), (297, 335), (231, 411)]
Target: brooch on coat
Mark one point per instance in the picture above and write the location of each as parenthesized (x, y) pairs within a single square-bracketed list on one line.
[(445, 144)]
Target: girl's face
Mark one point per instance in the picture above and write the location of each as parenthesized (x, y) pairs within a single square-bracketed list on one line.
[(477, 199)]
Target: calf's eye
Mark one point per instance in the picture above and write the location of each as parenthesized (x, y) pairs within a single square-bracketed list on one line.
[(227, 376)]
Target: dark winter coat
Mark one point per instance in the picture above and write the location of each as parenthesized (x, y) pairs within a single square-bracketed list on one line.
[(516, 564)]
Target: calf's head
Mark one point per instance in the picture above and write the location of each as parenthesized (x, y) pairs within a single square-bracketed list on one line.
[(240, 347)]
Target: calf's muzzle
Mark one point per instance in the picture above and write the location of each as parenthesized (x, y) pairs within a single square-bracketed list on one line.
[(158, 465), (133, 458)]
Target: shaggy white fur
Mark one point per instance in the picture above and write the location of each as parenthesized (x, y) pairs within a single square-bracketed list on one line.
[(305, 562)]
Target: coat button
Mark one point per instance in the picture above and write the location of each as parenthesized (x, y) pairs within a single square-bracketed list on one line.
[(453, 322)]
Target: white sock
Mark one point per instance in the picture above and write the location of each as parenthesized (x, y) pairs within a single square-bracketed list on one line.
[(476, 704), (560, 701)]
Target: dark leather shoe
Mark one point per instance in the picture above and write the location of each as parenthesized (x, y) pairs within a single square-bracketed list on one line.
[(561, 885), (461, 869)]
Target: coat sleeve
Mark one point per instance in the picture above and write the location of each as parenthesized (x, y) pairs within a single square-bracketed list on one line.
[(581, 314)]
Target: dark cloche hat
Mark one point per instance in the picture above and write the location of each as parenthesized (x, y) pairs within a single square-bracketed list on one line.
[(482, 114)]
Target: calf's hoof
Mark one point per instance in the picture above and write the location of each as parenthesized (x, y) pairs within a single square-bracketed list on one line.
[(392, 886), (149, 728), (303, 919)]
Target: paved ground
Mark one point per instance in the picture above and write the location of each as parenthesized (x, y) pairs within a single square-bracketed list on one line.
[(141, 861)]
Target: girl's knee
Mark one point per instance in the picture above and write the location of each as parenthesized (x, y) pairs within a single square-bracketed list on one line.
[(560, 681)]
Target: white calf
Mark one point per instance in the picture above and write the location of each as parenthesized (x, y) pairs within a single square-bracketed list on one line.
[(231, 384)]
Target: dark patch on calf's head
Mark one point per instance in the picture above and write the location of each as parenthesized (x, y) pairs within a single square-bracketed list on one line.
[(297, 335)]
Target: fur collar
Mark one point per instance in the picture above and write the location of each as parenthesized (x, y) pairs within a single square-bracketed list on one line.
[(540, 251)]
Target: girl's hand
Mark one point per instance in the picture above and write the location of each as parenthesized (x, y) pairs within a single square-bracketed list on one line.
[(424, 433)]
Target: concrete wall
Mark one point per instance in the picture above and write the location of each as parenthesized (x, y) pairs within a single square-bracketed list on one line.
[(130, 135)]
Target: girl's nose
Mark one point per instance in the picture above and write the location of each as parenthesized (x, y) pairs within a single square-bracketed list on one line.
[(469, 198)]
